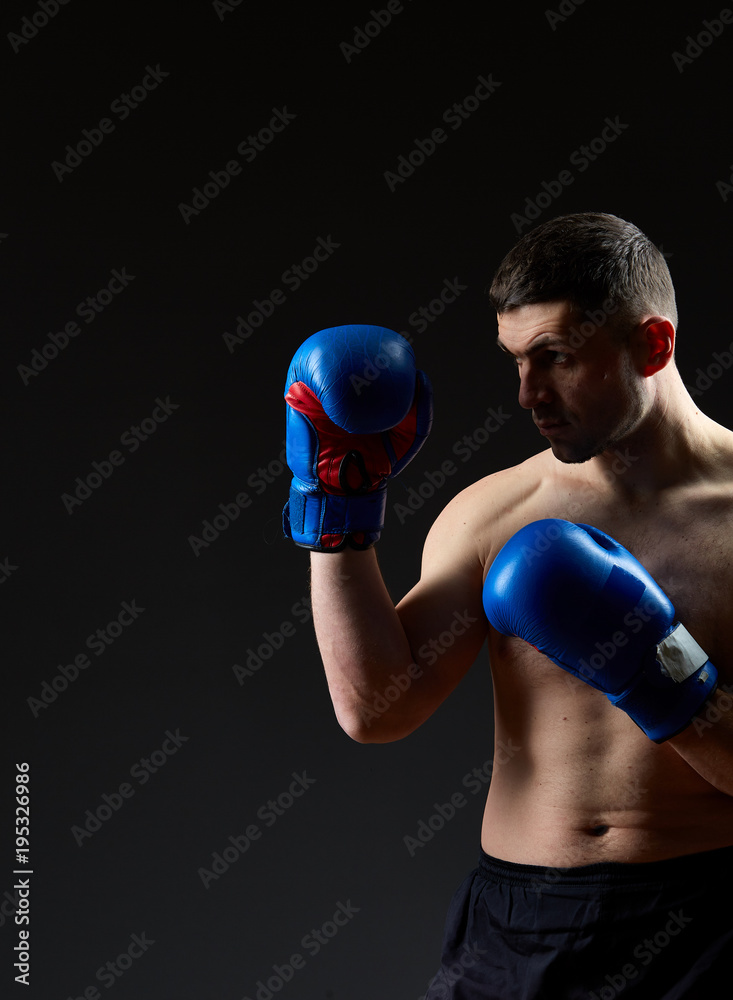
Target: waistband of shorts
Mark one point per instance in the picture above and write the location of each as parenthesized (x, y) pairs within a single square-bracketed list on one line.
[(716, 864)]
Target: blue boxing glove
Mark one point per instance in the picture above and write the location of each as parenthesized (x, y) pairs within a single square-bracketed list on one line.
[(584, 601), (357, 412)]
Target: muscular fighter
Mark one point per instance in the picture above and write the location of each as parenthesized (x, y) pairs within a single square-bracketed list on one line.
[(600, 573)]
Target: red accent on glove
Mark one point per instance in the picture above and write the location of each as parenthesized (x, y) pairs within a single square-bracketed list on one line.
[(351, 463)]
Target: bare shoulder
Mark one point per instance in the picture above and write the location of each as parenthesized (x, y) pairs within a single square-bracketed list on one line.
[(481, 517)]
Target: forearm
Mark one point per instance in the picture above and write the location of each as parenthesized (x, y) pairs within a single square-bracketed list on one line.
[(707, 743), (344, 442), (361, 640)]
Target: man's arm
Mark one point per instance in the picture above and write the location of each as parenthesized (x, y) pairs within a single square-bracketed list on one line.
[(707, 743), (358, 411), (389, 667), (586, 587)]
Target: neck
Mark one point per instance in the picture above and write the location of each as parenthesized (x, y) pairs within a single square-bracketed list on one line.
[(670, 446)]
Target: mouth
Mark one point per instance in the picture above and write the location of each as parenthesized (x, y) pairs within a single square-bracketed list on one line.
[(549, 427)]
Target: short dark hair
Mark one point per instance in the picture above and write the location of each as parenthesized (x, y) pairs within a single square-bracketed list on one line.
[(587, 259)]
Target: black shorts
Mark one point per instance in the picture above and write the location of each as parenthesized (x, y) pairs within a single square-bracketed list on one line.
[(657, 930)]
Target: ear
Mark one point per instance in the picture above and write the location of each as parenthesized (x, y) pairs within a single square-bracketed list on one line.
[(656, 337)]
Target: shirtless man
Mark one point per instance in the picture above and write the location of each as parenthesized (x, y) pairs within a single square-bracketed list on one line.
[(605, 854)]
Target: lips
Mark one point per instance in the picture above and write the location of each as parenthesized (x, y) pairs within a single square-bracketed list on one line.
[(549, 425)]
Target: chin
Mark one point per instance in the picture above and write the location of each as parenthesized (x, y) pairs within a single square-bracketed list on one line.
[(570, 455), (572, 459)]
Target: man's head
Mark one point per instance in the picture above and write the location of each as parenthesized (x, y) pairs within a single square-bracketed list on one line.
[(588, 259), (586, 308)]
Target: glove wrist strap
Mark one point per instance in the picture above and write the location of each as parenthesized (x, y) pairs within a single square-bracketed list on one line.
[(324, 522), (680, 655), (668, 693)]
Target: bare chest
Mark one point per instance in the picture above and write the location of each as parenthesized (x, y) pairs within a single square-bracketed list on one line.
[(584, 762), (691, 559), (686, 546)]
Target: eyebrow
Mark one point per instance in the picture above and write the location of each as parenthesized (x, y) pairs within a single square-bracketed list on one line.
[(543, 341)]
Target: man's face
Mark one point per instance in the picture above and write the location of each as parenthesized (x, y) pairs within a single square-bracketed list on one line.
[(583, 388)]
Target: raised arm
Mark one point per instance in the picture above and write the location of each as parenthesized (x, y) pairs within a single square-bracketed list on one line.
[(389, 668), (358, 412)]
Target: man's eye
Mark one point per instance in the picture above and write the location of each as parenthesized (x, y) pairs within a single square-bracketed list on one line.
[(558, 357)]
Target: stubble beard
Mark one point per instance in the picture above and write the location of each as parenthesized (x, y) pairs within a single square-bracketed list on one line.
[(584, 451)]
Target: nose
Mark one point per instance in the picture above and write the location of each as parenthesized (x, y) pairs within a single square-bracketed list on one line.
[(534, 387)]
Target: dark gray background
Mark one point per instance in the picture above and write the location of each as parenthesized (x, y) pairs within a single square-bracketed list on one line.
[(67, 574)]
